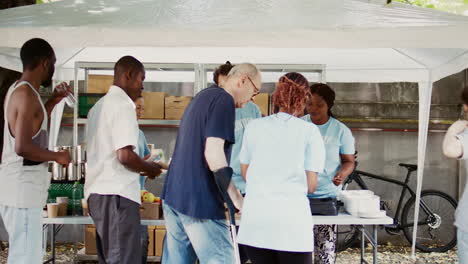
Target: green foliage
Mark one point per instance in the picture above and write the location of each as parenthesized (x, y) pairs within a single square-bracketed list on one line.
[(459, 7)]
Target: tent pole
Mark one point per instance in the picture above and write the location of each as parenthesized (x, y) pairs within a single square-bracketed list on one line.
[(411, 58), (73, 56), (425, 93)]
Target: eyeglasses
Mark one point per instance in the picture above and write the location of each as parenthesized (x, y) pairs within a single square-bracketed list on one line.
[(256, 90)]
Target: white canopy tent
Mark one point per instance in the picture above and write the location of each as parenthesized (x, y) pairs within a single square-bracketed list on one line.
[(357, 40)]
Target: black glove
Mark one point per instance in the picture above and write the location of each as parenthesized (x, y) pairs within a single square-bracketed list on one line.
[(223, 179)]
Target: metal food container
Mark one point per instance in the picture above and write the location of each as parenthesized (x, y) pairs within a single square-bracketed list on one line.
[(69, 171), (57, 169), (80, 159), (75, 170)]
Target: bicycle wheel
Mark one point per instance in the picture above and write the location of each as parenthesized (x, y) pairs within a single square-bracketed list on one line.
[(436, 232), (347, 236)]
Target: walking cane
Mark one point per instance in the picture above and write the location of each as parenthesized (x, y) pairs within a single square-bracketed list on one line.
[(223, 179)]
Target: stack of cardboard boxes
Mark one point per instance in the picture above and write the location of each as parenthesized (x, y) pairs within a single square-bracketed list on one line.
[(158, 105), (262, 100), (152, 211), (155, 238)]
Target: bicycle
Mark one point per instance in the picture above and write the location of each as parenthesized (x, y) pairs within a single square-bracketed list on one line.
[(436, 232)]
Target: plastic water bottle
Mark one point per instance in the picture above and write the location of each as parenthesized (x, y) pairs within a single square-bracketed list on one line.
[(77, 195)]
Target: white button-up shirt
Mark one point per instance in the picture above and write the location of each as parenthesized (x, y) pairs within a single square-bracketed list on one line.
[(276, 213), (112, 125), (461, 215)]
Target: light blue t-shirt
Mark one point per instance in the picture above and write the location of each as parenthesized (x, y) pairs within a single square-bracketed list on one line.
[(243, 116), (143, 150), (338, 139), (279, 149)]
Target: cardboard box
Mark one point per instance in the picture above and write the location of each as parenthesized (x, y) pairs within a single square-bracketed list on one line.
[(160, 232), (151, 240), (262, 100), (99, 83), (150, 211), (90, 240), (175, 106), (154, 105)]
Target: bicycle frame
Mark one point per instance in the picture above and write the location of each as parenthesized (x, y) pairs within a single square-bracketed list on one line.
[(356, 176)]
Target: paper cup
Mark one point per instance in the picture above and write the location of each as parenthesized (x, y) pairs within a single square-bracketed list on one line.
[(62, 209), (63, 204), (84, 205), (52, 210), (62, 199)]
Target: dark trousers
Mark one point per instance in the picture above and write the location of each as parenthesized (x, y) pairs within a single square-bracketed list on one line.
[(144, 243), (117, 221), (242, 250), (268, 256)]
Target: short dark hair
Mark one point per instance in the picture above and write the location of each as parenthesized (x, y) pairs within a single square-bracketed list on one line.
[(128, 64), (464, 95), (34, 51), (223, 69), (326, 92)]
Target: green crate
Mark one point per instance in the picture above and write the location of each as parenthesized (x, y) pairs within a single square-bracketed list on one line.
[(86, 101), (62, 190)]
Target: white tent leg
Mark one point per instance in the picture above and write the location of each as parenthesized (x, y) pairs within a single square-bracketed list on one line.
[(56, 115), (425, 93)]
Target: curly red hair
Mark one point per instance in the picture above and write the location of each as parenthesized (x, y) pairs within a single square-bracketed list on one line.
[(291, 92)]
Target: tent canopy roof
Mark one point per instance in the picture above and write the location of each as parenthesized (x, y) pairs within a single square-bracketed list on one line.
[(357, 40)]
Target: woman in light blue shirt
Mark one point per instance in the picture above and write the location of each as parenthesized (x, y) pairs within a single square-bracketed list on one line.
[(339, 163), (144, 153), (280, 158)]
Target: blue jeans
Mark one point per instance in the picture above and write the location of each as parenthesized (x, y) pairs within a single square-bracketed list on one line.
[(462, 242), (24, 227), (189, 238)]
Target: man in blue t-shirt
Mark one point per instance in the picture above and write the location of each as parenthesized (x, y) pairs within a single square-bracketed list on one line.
[(193, 206), (244, 115)]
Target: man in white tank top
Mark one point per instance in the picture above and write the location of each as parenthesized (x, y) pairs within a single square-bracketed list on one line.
[(23, 168)]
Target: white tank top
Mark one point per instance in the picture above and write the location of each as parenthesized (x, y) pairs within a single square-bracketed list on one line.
[(24, 183)]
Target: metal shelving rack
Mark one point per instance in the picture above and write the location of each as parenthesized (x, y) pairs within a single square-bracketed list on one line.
[(88, 66), (200, 81)]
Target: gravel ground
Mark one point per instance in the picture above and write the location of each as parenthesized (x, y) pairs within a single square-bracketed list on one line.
[(387, 255)]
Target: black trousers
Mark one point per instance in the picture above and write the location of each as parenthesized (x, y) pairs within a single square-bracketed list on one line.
[(242, 250), (268, 256), (117, 221)]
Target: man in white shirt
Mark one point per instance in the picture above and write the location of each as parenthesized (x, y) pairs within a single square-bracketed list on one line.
[(112, 182)]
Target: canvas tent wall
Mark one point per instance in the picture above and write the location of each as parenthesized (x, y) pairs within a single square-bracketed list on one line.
[(358, 40)]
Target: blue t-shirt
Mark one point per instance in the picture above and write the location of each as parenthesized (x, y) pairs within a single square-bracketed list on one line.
[(190, 187), (243, 116), (338, 140), (143, 150)]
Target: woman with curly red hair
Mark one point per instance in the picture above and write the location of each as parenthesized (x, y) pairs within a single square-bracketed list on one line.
[(280, 158)]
